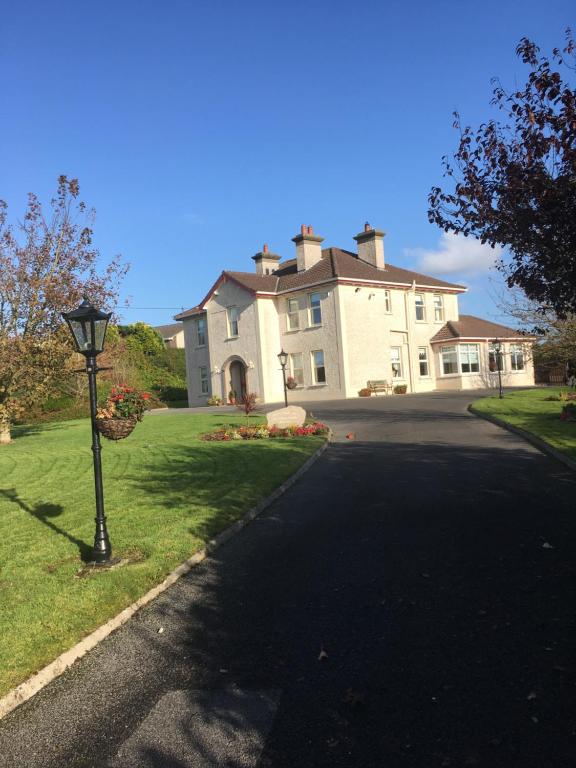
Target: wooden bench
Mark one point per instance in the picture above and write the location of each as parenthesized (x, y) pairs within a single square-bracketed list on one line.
[(380, 385)]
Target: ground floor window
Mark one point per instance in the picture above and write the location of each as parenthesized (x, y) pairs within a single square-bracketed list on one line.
[(396, 362), (318, 369), (449, 357), (516, 357), (469, 358), (297, 368), (203, 379), (423, 360)]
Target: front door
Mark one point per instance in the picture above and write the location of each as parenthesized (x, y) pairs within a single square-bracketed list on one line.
[(238, 379)]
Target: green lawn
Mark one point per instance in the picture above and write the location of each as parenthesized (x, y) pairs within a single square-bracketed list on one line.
[(166, 494), (534, 411)]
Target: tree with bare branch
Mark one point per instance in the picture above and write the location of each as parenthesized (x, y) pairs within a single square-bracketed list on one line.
[(47, 264)]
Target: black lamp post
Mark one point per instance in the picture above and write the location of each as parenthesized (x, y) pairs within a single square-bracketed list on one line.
[(283, 358), (498, 350), (88, 327)]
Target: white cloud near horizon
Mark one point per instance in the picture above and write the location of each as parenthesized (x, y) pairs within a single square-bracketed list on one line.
[(456, 254)]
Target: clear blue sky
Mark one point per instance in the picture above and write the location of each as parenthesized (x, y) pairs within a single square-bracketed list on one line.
[(200, 130)]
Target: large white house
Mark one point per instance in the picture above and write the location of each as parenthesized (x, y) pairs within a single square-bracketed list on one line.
[(345, 319)]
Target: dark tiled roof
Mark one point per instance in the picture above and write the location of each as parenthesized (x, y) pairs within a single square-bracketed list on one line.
[(189, 313), (167, 331), (335, 263), (470, 327)]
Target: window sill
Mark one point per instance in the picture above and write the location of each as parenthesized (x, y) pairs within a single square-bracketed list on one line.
[(312, 327), (231, 338), (317, 386), (201, 346), (292, 330)]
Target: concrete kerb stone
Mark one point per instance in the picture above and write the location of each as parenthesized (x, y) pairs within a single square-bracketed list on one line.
[(528, 436), (30, 687)]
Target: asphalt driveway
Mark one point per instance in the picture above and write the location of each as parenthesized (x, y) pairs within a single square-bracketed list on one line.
[(409, 602)]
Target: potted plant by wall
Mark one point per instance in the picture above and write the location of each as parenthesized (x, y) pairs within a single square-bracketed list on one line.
[(232, 397), (365, 392), (291, 383), (400, 389), (122, 409)]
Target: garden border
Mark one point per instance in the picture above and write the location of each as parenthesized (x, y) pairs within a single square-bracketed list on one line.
[(537, 442), (55, 668)]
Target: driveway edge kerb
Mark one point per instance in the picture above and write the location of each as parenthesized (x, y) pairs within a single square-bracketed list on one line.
[(30, 687), (528, 436)]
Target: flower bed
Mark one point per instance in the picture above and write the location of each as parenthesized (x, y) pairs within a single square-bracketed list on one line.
[(264, 432)]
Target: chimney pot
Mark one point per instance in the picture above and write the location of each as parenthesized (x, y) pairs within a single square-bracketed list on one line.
[(265, 248), (367, 227), (310, 229), (303, 229)]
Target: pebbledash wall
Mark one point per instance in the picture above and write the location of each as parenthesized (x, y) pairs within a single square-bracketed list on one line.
[(368, 332)]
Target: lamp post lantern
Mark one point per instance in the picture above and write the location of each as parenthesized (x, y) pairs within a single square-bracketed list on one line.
[(498, 350), (283, 358), (88, 327)]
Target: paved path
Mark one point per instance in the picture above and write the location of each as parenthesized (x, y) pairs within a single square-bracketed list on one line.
[(410, 602)]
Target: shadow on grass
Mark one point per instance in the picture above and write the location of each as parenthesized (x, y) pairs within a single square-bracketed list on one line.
[(23, 430), (219, 482), (43, 513)]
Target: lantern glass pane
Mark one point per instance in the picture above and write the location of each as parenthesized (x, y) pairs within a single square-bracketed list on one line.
[(81, 331), (99, 334)]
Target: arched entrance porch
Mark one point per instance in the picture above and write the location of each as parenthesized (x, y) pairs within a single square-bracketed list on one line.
[(235, 379)]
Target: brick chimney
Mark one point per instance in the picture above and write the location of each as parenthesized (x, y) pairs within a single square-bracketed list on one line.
[(266, 262), (371, 246), (308, 248)]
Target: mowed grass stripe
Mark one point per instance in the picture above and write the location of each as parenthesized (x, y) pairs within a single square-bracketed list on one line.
[(167, 493)]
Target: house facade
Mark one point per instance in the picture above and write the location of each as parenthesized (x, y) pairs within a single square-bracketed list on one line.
[(345, 319)]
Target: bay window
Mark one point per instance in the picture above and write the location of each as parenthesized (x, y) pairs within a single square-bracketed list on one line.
[(469, 358), (449, 356)]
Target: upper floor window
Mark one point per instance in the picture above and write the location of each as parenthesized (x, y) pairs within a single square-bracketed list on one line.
[(387, 301), (297, 368), (318, 369), (203, 370), (201, 328), (420, 309), (495, 359), (516, 357), (438, 308), (423, 360), (233, 315), (469, 358), (315, 309), (293, 314), (396, 362), (449, 357)]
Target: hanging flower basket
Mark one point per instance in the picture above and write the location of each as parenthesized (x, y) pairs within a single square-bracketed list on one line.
[(116, 429), (291, 383)]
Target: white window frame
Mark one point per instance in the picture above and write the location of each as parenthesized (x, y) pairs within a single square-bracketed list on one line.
[(465, 359), (201, 334), (517, 350), (438, 308), (387, 302), (423, 361), (294, 368), (204, 387), (397, 372), (451, 349), (313, 308), (420, 304), (292, 315), (233, 322), (316, 368)]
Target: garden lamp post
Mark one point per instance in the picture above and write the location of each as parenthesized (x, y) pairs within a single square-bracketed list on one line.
[(283, 358), (88, 327), (498, 350)]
